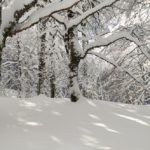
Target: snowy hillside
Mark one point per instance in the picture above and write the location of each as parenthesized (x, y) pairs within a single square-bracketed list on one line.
[(57, 124)]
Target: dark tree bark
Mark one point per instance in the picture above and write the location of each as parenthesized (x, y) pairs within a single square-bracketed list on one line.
[(42, 63), (74, 56), (0, 33), (1, 48), (0, 12), (52, 86), (84, 89), (52, 67)]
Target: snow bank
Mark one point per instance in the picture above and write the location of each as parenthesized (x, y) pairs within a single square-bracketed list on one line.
[(57, 124)]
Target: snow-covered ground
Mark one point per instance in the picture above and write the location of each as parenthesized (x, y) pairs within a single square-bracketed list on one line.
[(57, 124)]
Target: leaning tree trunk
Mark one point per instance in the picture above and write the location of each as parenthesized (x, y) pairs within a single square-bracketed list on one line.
[(74, 56)]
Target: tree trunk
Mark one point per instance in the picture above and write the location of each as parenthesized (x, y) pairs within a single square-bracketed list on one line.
[(0, 60), (19, 73), (85, 67), (52, 86), (0, 35), (74, 55), (42, 63), (0, 12), (84, 84)]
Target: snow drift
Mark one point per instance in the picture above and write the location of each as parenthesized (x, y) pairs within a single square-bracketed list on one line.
[(57, 124)]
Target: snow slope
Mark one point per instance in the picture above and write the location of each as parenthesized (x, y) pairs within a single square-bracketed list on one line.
[(57, 124)]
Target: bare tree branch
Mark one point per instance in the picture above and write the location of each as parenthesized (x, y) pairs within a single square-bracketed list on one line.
[(101, 56)]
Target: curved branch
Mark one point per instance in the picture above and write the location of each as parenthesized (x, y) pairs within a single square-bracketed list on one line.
[(44, 13), (101, 41), (78, 20)]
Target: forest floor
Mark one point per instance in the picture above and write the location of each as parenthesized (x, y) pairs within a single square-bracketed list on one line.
[(42, 123)]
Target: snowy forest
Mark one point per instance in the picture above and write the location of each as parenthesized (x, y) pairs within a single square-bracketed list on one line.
[(74, 74), (98, 49)]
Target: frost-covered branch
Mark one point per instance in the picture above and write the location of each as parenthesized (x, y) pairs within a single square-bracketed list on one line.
[(11, 15), (103, 57), (106, 41), (104, 4), (55, 7), (45, 12)]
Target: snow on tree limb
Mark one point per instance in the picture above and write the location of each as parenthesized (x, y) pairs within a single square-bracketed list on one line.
[(88, 13), (55, 7), (47, 11), (106, 41), (52, 9), (11, 15), (16, 10)]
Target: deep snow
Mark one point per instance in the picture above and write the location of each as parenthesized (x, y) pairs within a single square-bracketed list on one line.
[(41, 123)]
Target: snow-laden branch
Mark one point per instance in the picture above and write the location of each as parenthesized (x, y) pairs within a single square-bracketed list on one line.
[(103, 57), (12, 13), (47, 11), (90, 12), (106, 41), (8, 12)]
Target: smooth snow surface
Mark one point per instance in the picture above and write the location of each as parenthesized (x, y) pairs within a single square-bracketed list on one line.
[(57, 124)]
